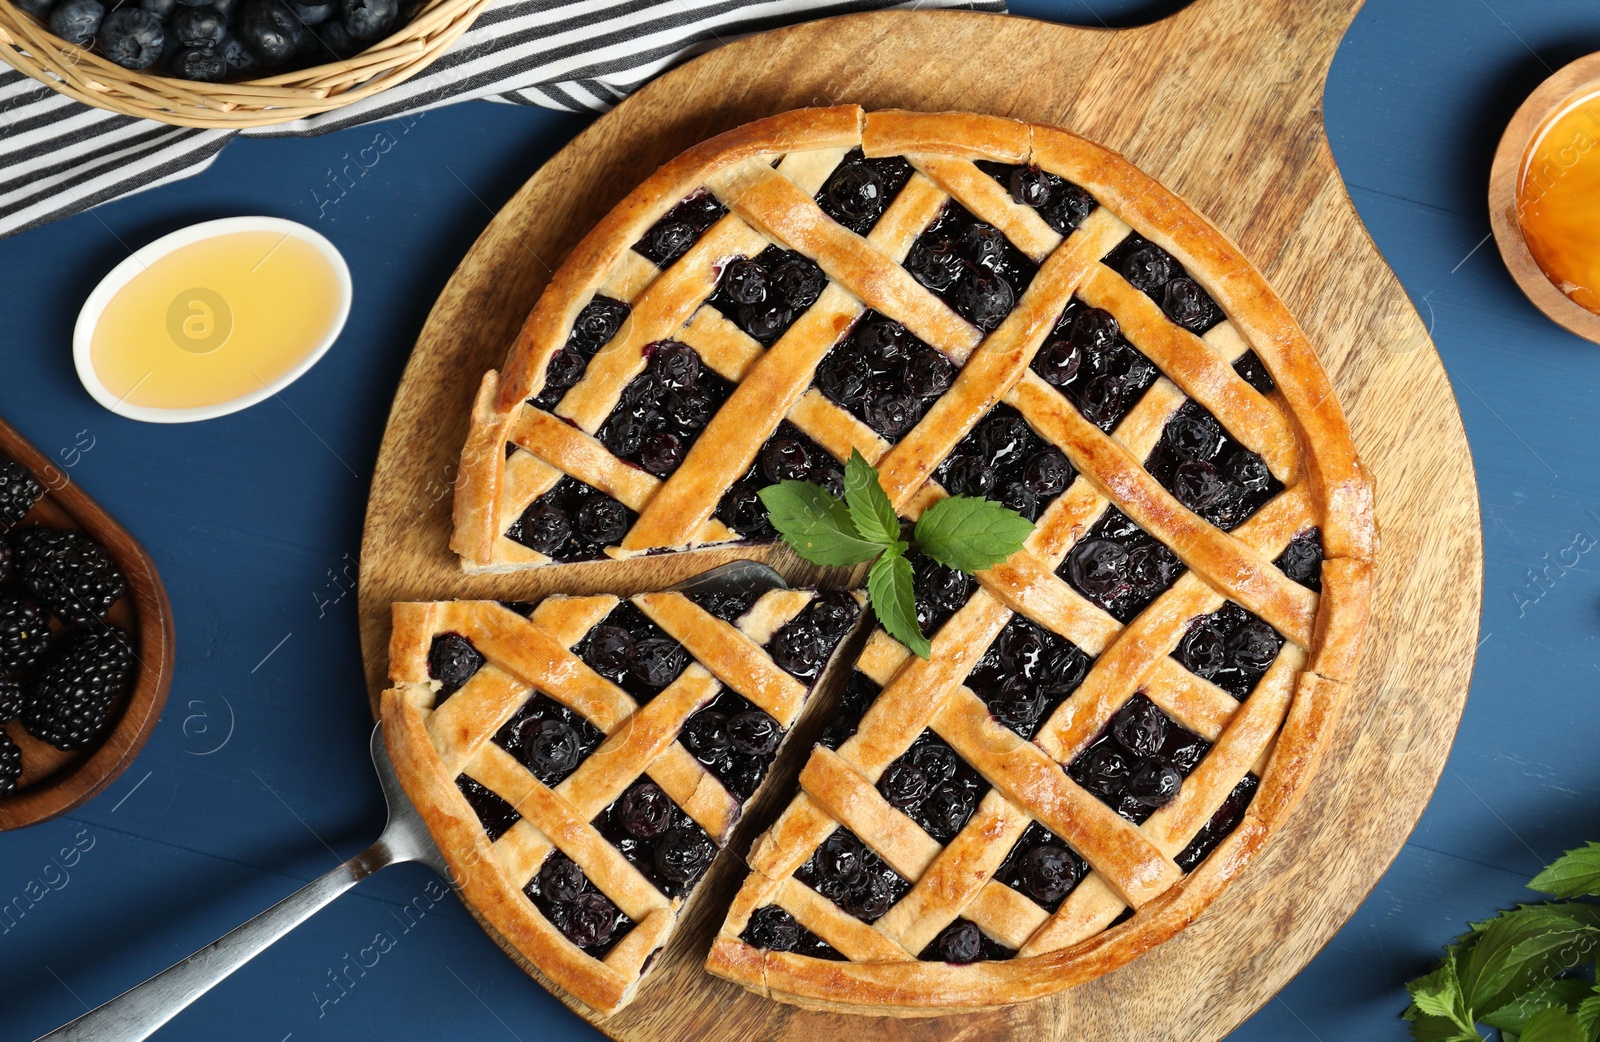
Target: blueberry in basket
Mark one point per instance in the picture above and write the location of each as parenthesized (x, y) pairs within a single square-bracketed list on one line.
[(215, 40)]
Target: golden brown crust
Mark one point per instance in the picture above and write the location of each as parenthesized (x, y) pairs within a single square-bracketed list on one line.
[(433, 745), (1298, 429)]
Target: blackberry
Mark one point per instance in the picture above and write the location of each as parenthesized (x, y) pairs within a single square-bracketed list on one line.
[(74, 694), (70, 572), (10, 764), (11, 699), (19, 490), (24, 633)]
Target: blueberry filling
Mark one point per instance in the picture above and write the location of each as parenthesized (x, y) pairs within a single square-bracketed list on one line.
[(1042, 866), (764, 294), (789, 455), (1223, 822), (1087, 359), (1062, 204), (940, 592), (1119, 567), (1004, 460), (452, 661), (848, 873), (680, 228), (1208, 471), (632, 652), (1230, 647), (971, 266), (1026, 673), (1254, 373), (496, 815), (572, 522), (858, 694), (859, 190), (584, 915), (726, 606), (667, 846), (773, 929), (548, 739), (932, 785), (884, 376), (663, 410), (523, 608), (962, 942), (1301, 560), (1157, 274), (803, 645), (1140, 762), (596, 324), (735, 739)]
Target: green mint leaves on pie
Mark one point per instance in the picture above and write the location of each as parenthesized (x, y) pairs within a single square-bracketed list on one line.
[(1527, 973), (962, 532)]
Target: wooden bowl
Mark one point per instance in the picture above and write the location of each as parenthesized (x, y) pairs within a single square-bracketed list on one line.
[(53, 782), (1554, 97)]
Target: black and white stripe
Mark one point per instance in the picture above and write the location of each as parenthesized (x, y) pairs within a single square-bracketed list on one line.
[(58, 157)]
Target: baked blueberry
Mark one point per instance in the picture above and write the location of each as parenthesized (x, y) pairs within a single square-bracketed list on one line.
[(1048, 473), (1203, 650), (599, 321), (745, 281), (610, 651), (773, 929), (1154, 784), (1140, 728), (675, 366), (754, 733), (550, 748), (933, 262), (785, 459), (1103, 770), (1048, 873), (904, 785), (1029, 186), (657, 661), (603, 521), (960, 942), (1188, 305), (984, 300), (644, 811), (798, 281), (843, 377), (560, 879), (928, 374), (588, 920), (683, 855), (705, 734), (1301, 560), (1147, 268), (799, 650), (452, 661), (856, 191), (1058, 362), (132, 37), (545, 527), (887, 411)]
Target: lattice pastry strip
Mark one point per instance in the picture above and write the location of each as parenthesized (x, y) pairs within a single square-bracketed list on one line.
[(1122, 710), (580, 766)]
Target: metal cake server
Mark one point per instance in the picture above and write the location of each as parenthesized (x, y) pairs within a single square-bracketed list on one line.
[(137, 1013)]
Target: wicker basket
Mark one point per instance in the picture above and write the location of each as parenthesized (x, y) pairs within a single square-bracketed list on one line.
[(28, 45)]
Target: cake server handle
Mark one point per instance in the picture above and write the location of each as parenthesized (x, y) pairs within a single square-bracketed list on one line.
[(140, 1011)]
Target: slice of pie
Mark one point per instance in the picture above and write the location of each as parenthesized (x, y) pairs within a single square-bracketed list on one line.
[(581, 761), (1113, 720)]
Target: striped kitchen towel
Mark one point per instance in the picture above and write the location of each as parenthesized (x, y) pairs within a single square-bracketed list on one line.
[(59, 156)]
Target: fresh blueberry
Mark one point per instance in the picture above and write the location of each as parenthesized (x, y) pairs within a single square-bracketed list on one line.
[(162, 9), (239, 57), (370, 19), (313, 13), (198, 27), (77, 21), (132, 37), (40, 9), (270, 29), (203, 64)]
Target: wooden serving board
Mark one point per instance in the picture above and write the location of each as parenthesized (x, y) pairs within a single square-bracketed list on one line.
[(1222, 103)]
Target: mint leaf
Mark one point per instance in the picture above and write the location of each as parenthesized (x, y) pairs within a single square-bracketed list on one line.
[(969, 533), (1589, 1016), (1523, 947), (1514, 1015), (1574, 874), (870, 508), (1439, 996), (894, 601), (1553, 1025), (816, 523)]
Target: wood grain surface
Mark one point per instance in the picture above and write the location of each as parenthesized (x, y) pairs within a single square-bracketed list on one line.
[(1221, 102), (53, 782)]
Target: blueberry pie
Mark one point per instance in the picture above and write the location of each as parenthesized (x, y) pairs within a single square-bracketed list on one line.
[(1114, 719), (581, 761)]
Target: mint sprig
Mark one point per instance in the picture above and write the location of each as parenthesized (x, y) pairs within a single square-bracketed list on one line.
[(1527, 973), (961, 532)]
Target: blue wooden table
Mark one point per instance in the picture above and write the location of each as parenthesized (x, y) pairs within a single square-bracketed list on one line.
[(256, 779)]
